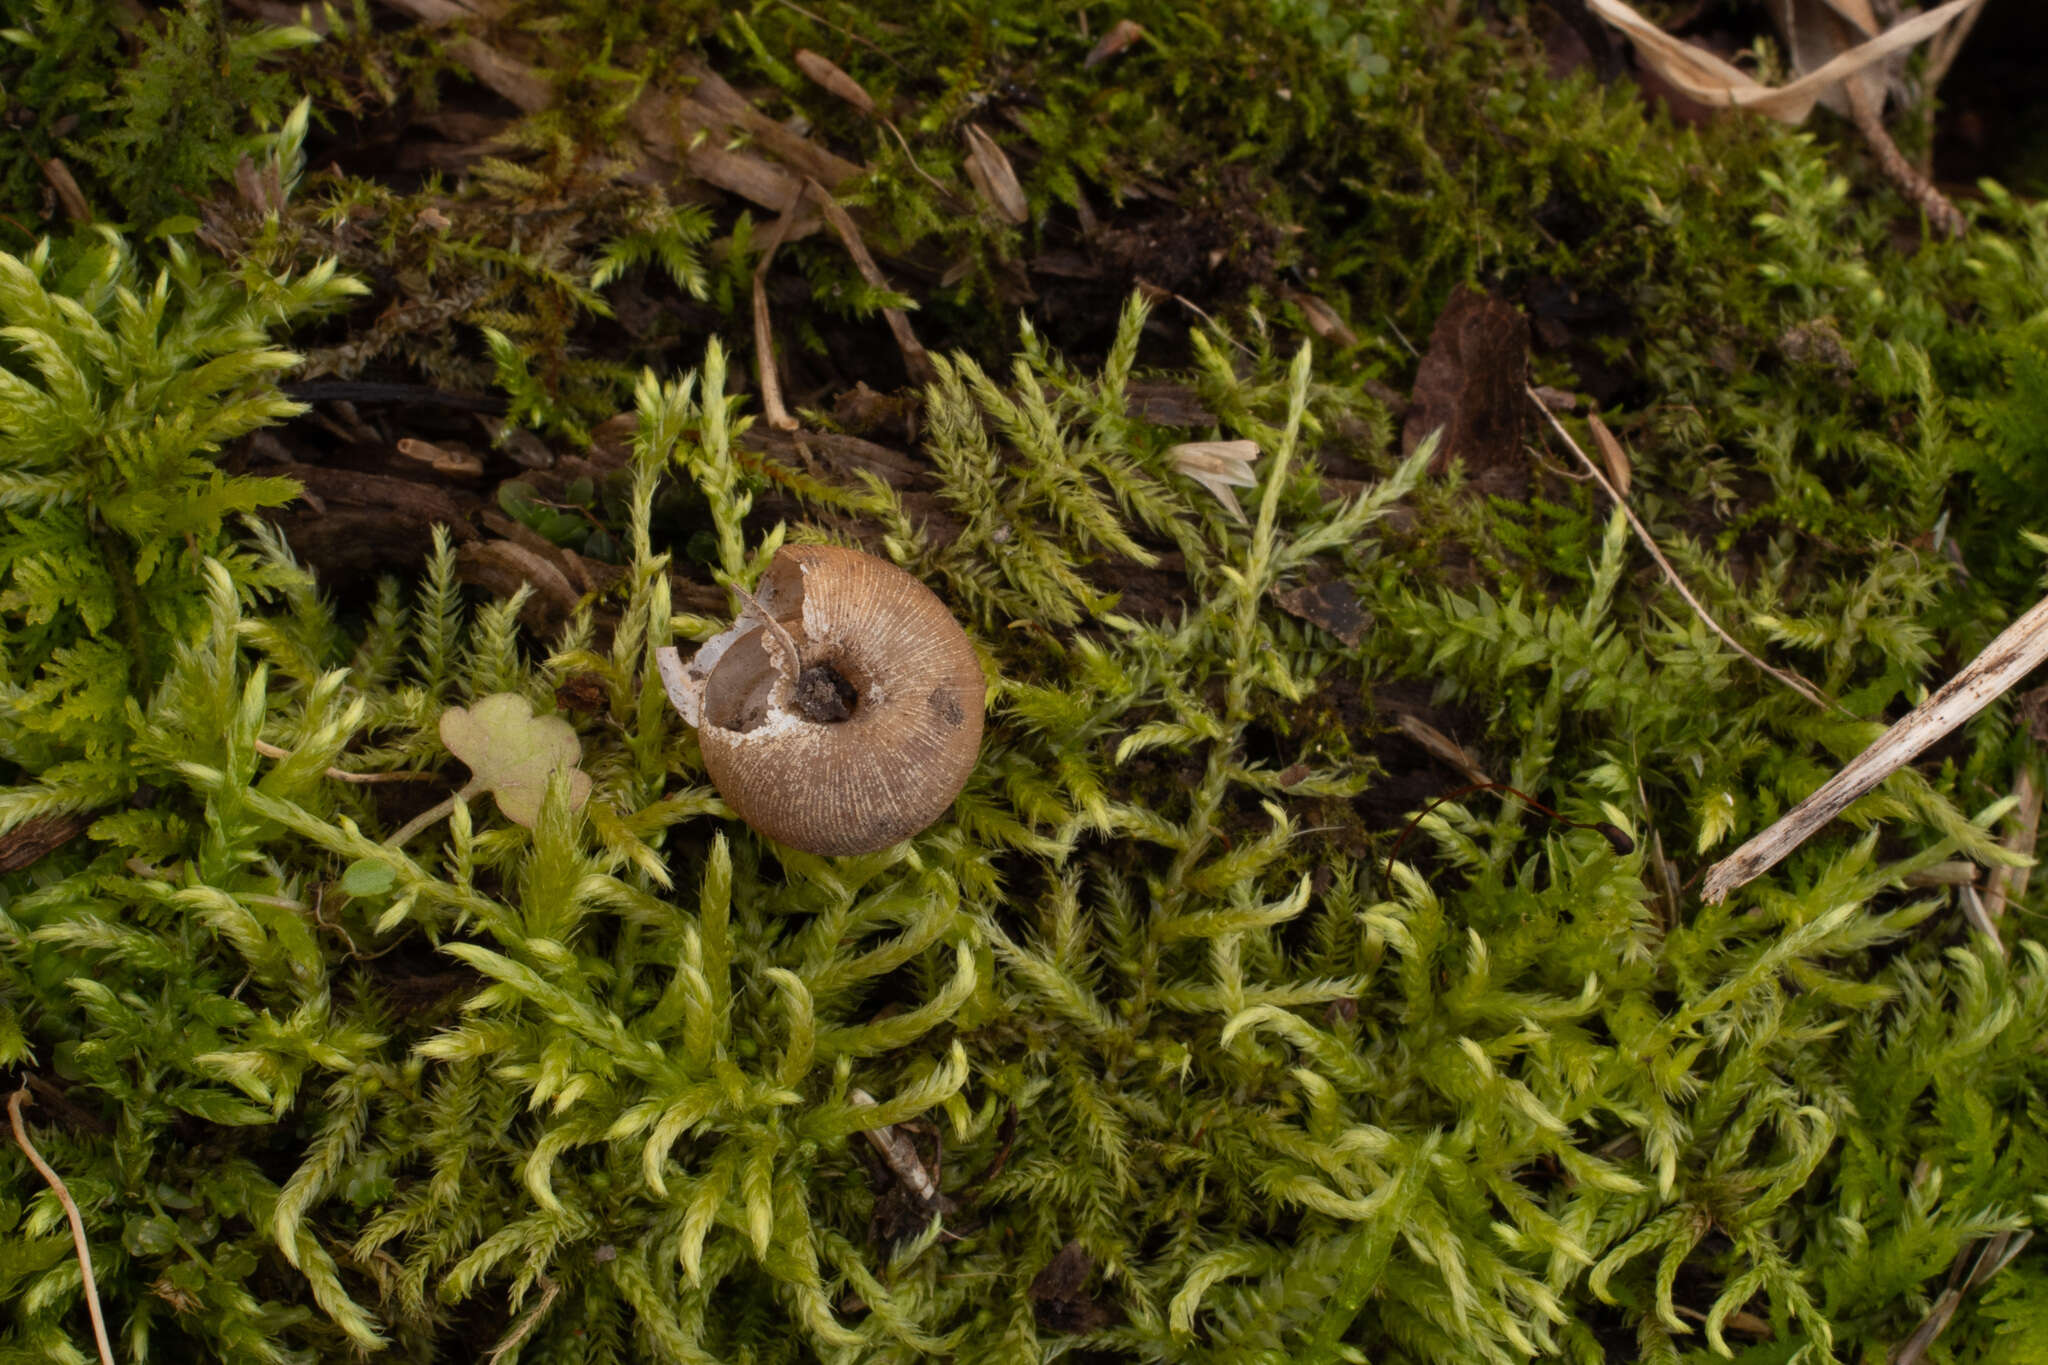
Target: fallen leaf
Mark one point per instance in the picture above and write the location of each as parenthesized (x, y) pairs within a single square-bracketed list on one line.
[(1059, 1296), (1470, 384), (1322, 319), (1218, 466), (1440, 745), (827, 74), (1611, 454), (1121, 35), (511, 752), (1710, 80), (1333, 606), (993, 177)]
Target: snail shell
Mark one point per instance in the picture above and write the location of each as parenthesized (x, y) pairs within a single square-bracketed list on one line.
[(841, 713)]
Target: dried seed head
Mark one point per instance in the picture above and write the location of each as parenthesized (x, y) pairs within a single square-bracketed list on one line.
[(841, 712)]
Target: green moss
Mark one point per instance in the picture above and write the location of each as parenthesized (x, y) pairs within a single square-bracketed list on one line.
[(586, 1091)]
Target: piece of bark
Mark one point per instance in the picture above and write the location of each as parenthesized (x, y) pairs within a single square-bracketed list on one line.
[(353, 526), (502, 567), (38, 837)]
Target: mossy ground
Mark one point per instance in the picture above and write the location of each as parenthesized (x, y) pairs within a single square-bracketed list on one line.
[(1201, 1070)]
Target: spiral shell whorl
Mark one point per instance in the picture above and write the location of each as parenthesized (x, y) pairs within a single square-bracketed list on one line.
[(837, 787)]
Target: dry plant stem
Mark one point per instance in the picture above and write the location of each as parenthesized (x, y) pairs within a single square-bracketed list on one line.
[(764, 332), (438, 811), (1941, 214), (523, 1329), (915, 360), (56, 1183), (2008, 882), (2006, 660), (898, 1153), (269, 750), (1791, 680), (1942, 53), (1993, 1255)]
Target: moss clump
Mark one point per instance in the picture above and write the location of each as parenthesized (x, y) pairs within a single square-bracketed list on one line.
[(1148, 1050)]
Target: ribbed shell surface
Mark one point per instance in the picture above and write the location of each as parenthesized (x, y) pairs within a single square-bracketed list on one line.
[(895, 765)]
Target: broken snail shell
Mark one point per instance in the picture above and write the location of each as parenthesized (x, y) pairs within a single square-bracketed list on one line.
[(841, 713)]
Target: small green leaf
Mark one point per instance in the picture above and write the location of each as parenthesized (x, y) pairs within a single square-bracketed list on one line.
[(511, 751), (149, 1236), (367, 877)]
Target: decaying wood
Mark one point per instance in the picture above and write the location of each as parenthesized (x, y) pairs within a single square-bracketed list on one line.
[(2018, 649), (29, 842)]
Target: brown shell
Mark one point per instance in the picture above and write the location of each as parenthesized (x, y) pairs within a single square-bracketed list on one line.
[(836, 787)]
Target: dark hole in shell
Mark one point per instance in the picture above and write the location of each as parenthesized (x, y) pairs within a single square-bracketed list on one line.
[(823, 695)]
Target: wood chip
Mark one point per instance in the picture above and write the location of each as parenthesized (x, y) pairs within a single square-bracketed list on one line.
[(448, 459), (993, 178), (824, 72), (39, 836)]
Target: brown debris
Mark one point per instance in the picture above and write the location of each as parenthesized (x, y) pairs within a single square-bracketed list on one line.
[(1121, 35), (67, 191), (1611, 454), (915, 360), (825, 72), (352, 525), (449, 459), (38, 837), (1059, 1294), (1333, 606), (502, 567), (993, 177), (1471, 384), (1322, 319)]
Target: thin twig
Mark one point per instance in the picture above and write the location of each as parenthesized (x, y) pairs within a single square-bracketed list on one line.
[(764, 333), (897, 1152), (2007, 659), (915, 359), (523, 1329), (1791, 680), (56, 1183), (1942, 215), (269, 750)]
